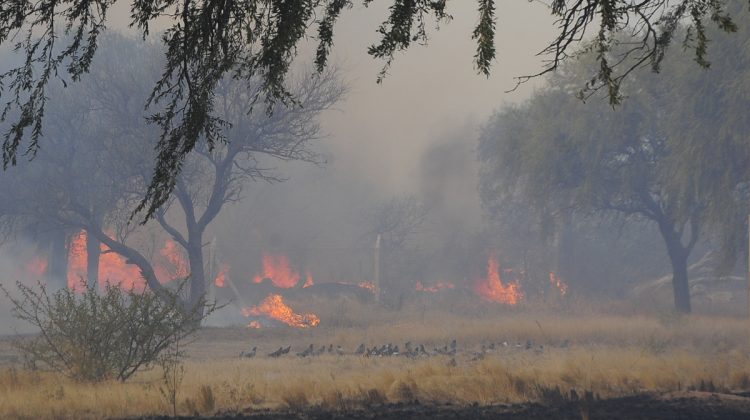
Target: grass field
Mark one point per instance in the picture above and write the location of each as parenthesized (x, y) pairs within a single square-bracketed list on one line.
[(608, 352)]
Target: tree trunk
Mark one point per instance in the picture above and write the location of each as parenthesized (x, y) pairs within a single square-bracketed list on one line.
[(197, 274), (678, 256), (93, 254), (680, 285), (57, 270)]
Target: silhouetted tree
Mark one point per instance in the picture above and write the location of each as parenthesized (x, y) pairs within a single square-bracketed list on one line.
[(255, 41), (97, 167)]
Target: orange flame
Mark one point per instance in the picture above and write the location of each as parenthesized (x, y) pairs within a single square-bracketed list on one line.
[(114, 268), (180, 268), (368, 285), (278, 269), (221, 278), (493, 289), (37, 267), (308, 281), (274, 307), (254, 324), (558, 283)]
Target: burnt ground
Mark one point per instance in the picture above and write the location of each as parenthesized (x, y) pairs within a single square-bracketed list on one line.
[(674, 406)]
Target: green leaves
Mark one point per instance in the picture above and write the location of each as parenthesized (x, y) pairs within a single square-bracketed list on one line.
[(246, 39), (94, 337), (484, 34)]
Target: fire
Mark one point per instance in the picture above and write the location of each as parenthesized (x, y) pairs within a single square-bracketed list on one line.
[(114, 268), (308, 281), (493, 289), (558, 283), (37, 267), (368, 285), (278, 269), (274, 307), (435, 288), (180, 268), (221, 278), (254, 325)]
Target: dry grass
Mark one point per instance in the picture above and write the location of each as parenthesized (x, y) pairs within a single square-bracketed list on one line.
[(610, 355)]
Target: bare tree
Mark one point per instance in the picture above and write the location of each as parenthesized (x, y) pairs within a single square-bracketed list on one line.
[(96, 170)]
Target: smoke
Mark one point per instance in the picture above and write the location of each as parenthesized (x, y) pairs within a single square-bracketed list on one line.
[(16, 264)]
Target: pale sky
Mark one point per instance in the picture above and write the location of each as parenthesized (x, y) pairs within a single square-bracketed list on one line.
[(382, 130)]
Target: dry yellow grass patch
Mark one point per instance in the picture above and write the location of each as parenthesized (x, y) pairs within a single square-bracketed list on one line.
[(610, 355)]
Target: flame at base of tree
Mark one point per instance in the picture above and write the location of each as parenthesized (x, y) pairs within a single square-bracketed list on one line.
[(493, 289), (558, 283), (170, 265), (113, 268), (273, 307)]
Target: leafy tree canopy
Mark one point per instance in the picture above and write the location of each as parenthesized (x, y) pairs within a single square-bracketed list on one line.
[(675, 154), (210, 39)]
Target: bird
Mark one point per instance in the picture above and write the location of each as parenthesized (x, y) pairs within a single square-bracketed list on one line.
[(321, 350), (249, 354), (360, 350), (286, 350), (330, 348), (277, 353), (307, 352), (339, 350), (453, 344)]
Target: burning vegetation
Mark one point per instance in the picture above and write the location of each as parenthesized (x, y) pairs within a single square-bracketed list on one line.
[(273, 307), (492, 287)]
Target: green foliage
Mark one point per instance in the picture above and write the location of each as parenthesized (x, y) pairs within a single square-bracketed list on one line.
[(675, 154), (211, 40), (94, 337)]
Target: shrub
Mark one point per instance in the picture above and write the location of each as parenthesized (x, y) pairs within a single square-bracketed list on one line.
[(94, 336)]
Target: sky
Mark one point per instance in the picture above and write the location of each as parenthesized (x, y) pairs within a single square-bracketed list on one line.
[(380, 131)]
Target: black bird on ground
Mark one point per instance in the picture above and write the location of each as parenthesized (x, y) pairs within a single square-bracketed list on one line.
[(360, 350), (250, 353), (277, 353), (307, 352), (286, 350)]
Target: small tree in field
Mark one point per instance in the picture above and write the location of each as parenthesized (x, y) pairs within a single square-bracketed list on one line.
[(96, 336)]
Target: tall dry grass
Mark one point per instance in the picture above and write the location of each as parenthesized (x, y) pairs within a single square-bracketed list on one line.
[(610, 354)]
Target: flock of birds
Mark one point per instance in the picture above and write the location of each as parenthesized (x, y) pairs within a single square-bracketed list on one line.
[(408, 350)]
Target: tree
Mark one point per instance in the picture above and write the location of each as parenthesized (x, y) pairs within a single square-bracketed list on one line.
[(213, 178), (94, 172), (675, 154), (257, 40)]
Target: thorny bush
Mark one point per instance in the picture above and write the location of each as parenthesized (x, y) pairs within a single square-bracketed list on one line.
[(93, 336)]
